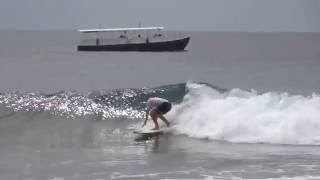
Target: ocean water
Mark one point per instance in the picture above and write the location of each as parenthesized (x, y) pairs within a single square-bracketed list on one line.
[(245, 106)]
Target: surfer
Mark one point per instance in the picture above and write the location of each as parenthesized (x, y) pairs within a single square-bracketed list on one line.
[(156, 108)]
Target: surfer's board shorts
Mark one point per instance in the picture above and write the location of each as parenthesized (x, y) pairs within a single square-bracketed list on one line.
[(164, 107)]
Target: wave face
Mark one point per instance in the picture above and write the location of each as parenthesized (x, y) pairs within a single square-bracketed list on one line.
[(248, 117), (119, 103), (200, 110)]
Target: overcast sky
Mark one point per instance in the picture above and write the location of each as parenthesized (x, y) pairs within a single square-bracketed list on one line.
[(189, 15)]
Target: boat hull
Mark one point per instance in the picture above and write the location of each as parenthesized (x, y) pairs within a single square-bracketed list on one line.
[(174, 45)]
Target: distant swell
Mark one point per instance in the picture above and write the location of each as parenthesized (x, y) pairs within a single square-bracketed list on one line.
[(248, 117)]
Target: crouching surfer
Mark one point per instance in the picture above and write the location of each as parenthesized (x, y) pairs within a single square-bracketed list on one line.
[(156, 108)]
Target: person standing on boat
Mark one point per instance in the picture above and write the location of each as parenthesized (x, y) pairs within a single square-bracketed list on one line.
[(156, 108)]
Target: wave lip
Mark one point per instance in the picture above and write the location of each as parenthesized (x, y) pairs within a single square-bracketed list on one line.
[(248, 117)]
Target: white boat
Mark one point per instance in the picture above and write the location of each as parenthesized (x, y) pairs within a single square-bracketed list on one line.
[(130, 39)]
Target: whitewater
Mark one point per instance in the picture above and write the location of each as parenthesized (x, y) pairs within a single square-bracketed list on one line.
[(248, 117)]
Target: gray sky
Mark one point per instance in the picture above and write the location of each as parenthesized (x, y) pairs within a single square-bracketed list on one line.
[(189, 15)]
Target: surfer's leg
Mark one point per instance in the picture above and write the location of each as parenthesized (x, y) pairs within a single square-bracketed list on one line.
[(154, 117)]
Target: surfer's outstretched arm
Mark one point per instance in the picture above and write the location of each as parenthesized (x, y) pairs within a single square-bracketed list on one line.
[(164, 119)]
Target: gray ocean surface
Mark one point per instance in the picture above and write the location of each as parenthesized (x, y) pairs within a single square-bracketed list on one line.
[(246, 106)]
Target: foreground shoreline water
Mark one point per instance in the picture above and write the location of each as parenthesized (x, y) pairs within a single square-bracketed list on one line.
[(117, 156)]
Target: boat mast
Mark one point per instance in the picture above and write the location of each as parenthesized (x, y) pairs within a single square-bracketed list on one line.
[(98, 37)]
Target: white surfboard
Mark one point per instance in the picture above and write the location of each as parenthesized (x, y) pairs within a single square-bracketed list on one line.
[(148, 131)]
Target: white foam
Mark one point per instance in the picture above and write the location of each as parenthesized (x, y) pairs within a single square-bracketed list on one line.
[(248, 117)]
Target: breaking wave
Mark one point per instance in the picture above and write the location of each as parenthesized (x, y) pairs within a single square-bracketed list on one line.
[(248, 117), (200, 110)]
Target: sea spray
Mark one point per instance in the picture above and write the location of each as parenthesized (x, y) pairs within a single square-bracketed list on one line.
[(248, 117)]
